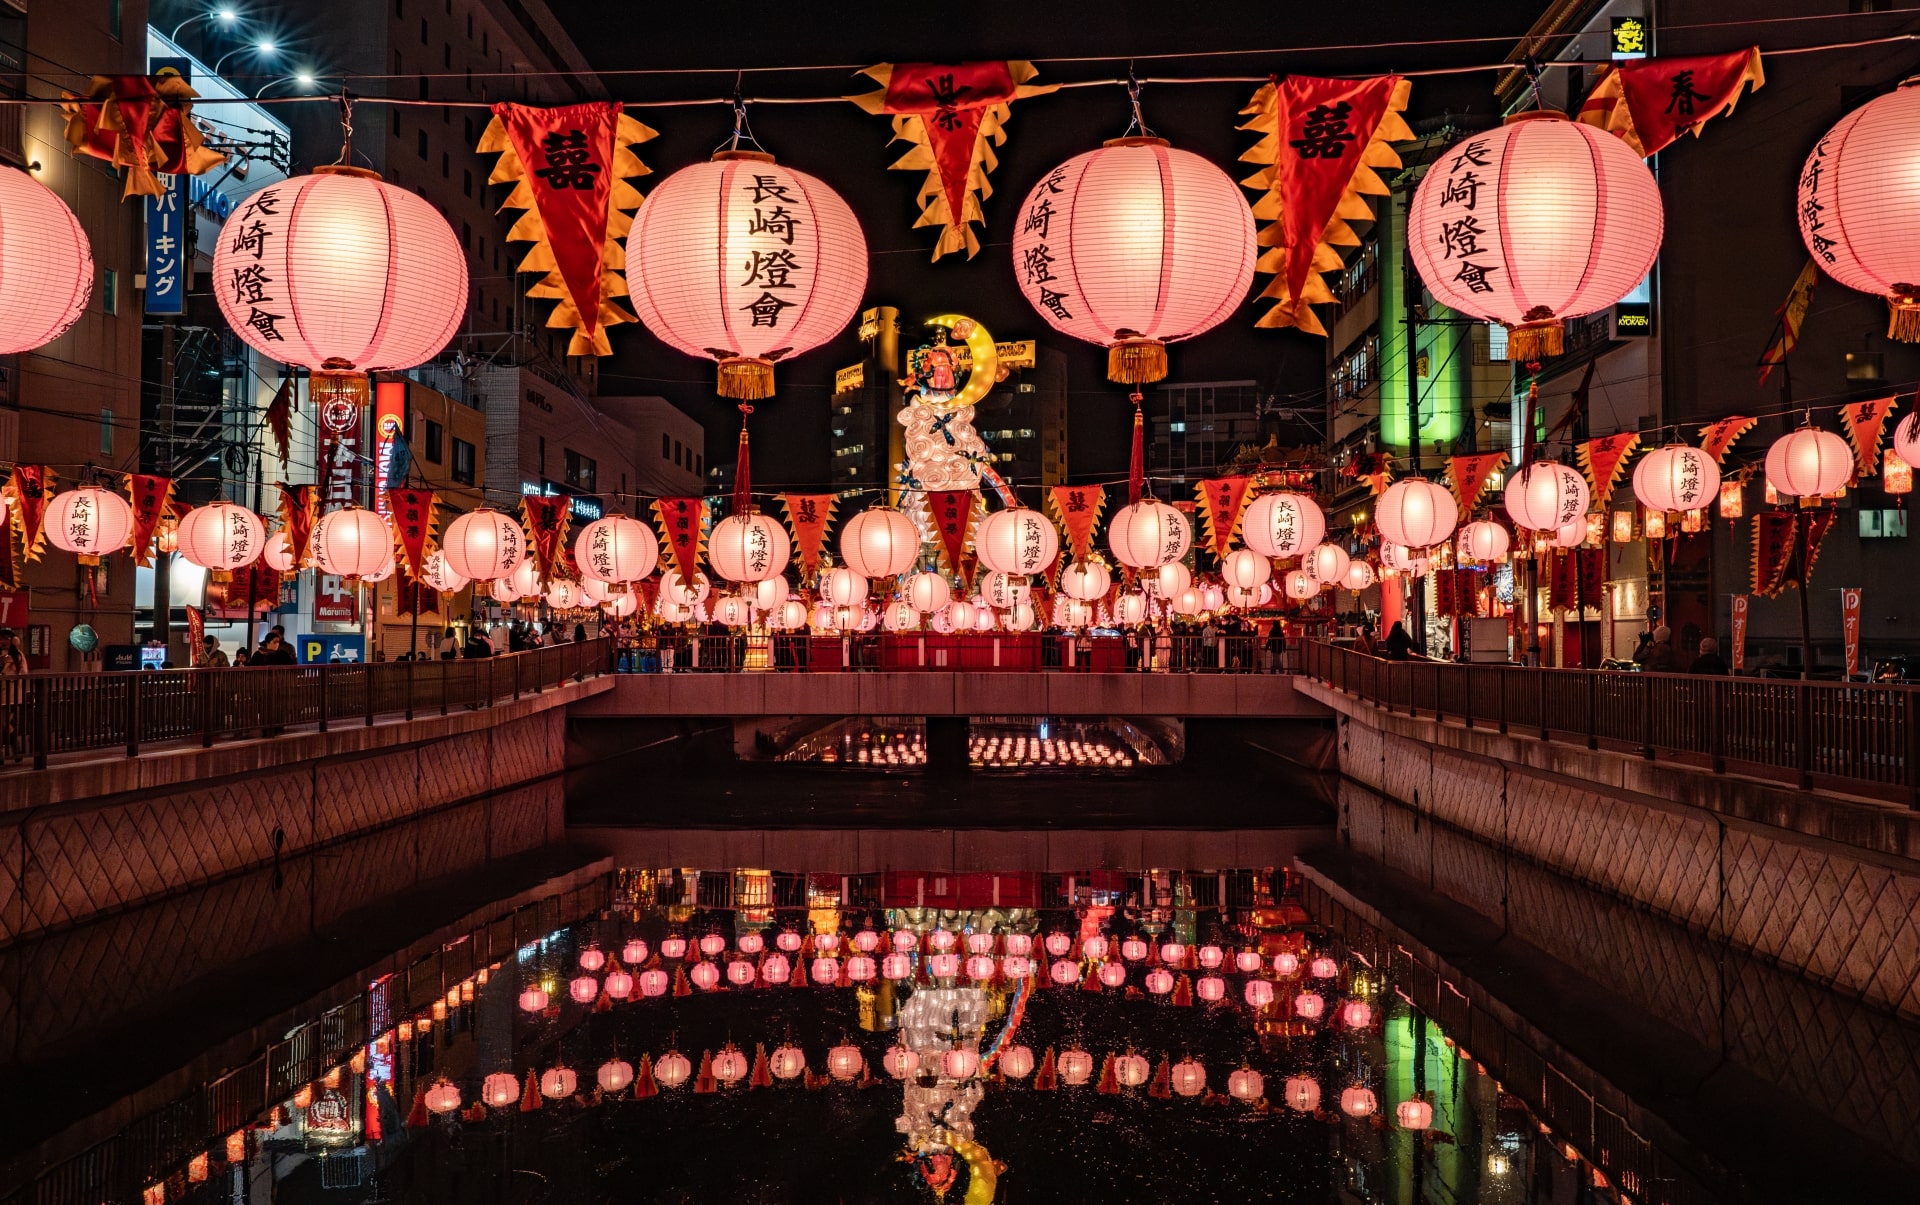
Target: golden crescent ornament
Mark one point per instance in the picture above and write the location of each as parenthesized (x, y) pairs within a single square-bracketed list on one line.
[(984, 360)]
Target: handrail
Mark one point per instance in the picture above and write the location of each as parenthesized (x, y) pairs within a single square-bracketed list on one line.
[(1861, 737), (44, 715), (968, 652)]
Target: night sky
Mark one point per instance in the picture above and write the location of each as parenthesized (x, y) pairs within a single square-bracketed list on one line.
[(850, 150)]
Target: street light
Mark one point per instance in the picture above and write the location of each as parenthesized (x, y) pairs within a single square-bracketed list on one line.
[(224, 15), (263, 48), (305, 79)]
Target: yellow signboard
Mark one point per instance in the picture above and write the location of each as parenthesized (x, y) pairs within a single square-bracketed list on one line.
[(1018, 354), (850, 378)]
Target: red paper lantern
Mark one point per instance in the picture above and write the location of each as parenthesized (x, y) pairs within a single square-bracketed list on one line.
[(46, 264), (747, 262), (1856, 197), (1538, 221), (1134, 246)]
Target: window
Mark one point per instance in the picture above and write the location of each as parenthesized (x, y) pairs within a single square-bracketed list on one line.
[(699, 464), (115, 18), (1865, 366), (446, 165), (676, 451), (466, 182), (106, 433), (110, 291), (466, 235), (463, 461), (423, 31), (1883, 524), (666, 446), (446, 56), (581, 471), (483, 41), (420, 143), (436, 435), (1356, 369)]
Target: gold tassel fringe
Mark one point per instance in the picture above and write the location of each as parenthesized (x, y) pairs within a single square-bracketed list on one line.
[(1137, 361), (1903, 314), (745, 378), (1532, 342)]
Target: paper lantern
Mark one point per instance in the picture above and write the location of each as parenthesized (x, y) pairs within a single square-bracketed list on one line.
[(843, 588), (672, 1069), (730, 1066), (749, 548), (46, 264), (1356, 1014), (386, 570), (1484, 540), (1398, 558), (1148, 534), (776, 969), (825, 971), (90, 521), (900, 1062), (1286, 964), (584, 989), (1323, 968), (1133, 949), (1018, 540), (1058, 944), (1113, 974), (1094, 947), (1171, 580), (1246, 1084), (1159, 982), (558, 1082), (484, 545), (1131, 1070), (634, 952), (276, 552), (1188, 1077), (1326, 564), (619, 985), (221, 536), (1130, 609), (879, 542), (959, 1063), (1075, 1067), (564, 595), (1258, 993), (614, 1075), (861, 968), (896, 966), (352, 542), (1809, 463), (958, 615), (674, 947), (1134, 246), (1210, 988), (1675, 477), (1002, 591), (1173, 953), (654, 983), (705, 976), (747, 262), (1545, 496), (732, 612), (943, 966), (787, 1062), (1300, 585), (438, 575), (791, 615), (499, 1090), (1016, 1062), (1212, 956), (1537, 221), (442, 1098), (1247, 961), (1358, 1101), (1246, 569), (615, 549), (1856, 193), (1065, 972), (981, 967), (928, 592), (1358, 577), (1086, 580), (533, 999), (1302, 1093), (900, 617), (1309, 1006), (1906, 440), (685, 592), (1020, 617), (1414, 1114), (592, 958), (1416, 512), (844, 1062), (1282, 525)]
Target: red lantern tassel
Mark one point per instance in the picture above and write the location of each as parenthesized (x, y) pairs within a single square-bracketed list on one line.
[(1137, 461), (742, 491)]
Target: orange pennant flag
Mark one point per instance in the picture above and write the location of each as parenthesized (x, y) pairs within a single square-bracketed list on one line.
[(1716, 438), (1221, 501), (1468, 476), (1602, 459), (1078, 509), (1866, 424), (808, 515)]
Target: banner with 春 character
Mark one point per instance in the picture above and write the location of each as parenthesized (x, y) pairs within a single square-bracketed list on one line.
[(1468, 477), (1603, 460), (952, 512), (1649, 103)]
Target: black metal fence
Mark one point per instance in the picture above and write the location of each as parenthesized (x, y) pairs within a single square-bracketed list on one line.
[(1853, 736), (43, 715), (1144, 652)]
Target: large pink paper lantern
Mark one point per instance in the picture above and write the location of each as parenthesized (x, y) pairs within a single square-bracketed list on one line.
[(1134, 246), (46, 264), (746, 262), (89, 522), (749, 548), (616, 549), (1282, 525), (1809, 463), (1416, 512), (1545, 496), (1148, 534), (1018, 540), (221, 536), (1676, 477), (1857, 194), (1484, 541), (879, 542), (1537, 221), (340, 271), (352, 542), (484, 545)]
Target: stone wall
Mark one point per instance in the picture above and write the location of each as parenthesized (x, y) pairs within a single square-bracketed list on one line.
[(1844, 916), (255, 804)]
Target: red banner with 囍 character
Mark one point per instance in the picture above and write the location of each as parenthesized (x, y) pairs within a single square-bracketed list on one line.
[(1078, 509), (1468, 475), (681, 522), (1865, 424)]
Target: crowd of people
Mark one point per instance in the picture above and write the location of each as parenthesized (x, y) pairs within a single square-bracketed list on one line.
[(1655, 653), (519, 636)]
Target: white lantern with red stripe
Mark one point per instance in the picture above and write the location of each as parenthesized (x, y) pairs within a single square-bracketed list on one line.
[(1537, 221), (89, 522), (46, 264), (1543, 497), (221, 536), (745, 261), (1134, 246)]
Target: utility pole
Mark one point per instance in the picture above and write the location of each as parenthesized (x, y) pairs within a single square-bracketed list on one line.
[(1410, 285), (163, 560)]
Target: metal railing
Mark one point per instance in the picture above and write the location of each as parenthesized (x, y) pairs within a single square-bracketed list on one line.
[(882, 652), (44, 715), (1850, 736)]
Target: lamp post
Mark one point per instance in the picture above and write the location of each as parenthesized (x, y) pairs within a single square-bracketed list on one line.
[(305, 79), (224, 15), (263, 48)]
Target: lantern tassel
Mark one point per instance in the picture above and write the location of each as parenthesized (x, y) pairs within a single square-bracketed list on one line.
[(1536, 339), (742, 488), (1903, 314), (745, 378), (1136, 360), (1137, 460)]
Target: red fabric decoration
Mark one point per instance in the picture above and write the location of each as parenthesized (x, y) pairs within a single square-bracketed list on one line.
[(952, 512)]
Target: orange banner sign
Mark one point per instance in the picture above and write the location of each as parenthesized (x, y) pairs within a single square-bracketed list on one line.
[(1468, 477), (1716, 438), (1866, 424), (1603, 459), (1078, 509), (412, 512), (953, 517), (1221, 501), (808, 515), (1850, 626), (149, 496), (681, 521)]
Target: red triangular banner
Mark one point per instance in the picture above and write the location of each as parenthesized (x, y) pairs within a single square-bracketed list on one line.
[(681, 520), (1221, 501), (952, 512), (1078, 509), (1468, 476)]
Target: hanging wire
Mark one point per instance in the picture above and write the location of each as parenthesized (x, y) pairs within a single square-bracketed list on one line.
[(346, 130), (1139, 121)]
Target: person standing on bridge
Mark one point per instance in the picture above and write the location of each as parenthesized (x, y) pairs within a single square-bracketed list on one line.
[(1399, 644)]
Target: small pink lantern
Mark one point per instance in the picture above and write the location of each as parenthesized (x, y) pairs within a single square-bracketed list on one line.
[(1286, 964), (905, 940), (741, 972), (1323, 968), (1188, 1077), (1302, 1093), (1016, 967), (777, 970), (788, 941), (1211, 988), (979, 943), (1131, 1070), (88, 521), (730, 1066), (1356, 1014), (1358, 1101), (751, 942), (900, 1062), (980, 967), (787, 1062), (896, 966), (844, 1062), (500, 1089), (826, 971), (1247, 961), (861, 968), (943, 966), (1211, 957), (1113, 974), (1809, 463), (634, 952), (1133, 949), (1019, 944), (959, 1063), (705, 976), (1058, 944), (442, 1097), (1016, 1062), (585, 989), (558, 1082), (221, 536), (592, 958), (1094, 947), (674, 947), (1308, 1006), (712, 944), (619, 985), (654, 983), (1246, 1084), (1259, 994), (826, 943), (673, 1069), (1065, 973), (1159, 981), (1173, 953), (1414, 1114), (614, 1075), (941, 940), (1075, 1066), (866, 941)]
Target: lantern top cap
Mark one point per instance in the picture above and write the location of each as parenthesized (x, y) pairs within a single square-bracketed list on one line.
[(344, 169), (1534, 115), (749, 156), (1136, 140)]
